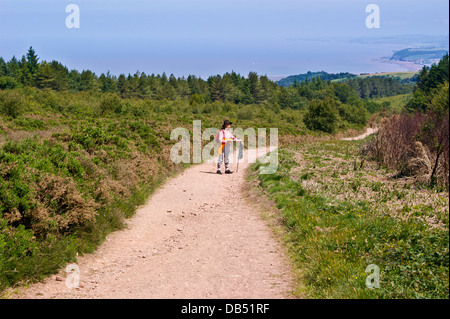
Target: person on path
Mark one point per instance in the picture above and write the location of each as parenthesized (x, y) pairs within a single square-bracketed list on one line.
[(226, 139)]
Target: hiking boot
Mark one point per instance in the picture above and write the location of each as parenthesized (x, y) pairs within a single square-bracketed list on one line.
[(228, 172), (219, 172)]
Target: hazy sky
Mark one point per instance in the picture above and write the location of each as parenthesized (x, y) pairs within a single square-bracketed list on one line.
[(206, 37)]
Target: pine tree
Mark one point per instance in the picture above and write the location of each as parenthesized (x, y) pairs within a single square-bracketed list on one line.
[(364, 90), (183, 88), (3, 68), (163, 78), (215, 87), (45, 78), (61, 75), (443, 69), (25, 77), (267, 89), (133, 85), (422, 79), (74, 79), (107, 83), (285, 98), (173, 81), (87, 81), (255, 87), (143, 87), (428, 81), (32, 61), (122, 86)]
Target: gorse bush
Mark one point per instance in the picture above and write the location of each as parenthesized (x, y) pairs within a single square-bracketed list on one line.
[(32, 196), (11, 103), (110, 103), (30, 124)]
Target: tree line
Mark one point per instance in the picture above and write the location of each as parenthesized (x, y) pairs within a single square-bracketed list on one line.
[(230, 87), (377, 87)]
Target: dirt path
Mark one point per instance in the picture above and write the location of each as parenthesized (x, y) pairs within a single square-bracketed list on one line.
[(197, 237), (369, 132)]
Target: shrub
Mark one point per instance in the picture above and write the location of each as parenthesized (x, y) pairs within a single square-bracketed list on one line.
[(137, 110), (16, 193), (110, 103), (353, 114), (435, 134), (196, 99), (15, 244), (208, 108), (245, 113), (415, 145), (7, 82), (11, 103), (394, 144), (30, 124), (61, 205), (322, 116)]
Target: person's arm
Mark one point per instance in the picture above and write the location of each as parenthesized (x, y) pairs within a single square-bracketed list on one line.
[(235, 139), (231, 138)]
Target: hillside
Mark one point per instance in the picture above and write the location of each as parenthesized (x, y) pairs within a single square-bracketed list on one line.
[(404, 77), (290, 80)]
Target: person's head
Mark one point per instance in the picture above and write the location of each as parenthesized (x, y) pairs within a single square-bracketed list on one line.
[(226, 124)]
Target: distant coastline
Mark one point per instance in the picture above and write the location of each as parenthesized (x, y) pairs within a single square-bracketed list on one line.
[(405, 65), (383, 55)]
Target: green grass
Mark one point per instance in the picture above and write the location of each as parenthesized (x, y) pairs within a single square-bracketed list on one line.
[(396, 103), (339, 218)]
